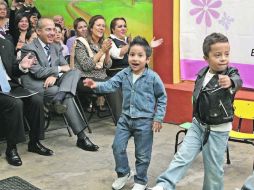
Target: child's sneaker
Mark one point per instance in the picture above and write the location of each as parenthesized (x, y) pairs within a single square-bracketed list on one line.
[(121, 181), (139, 187), (157, 188)]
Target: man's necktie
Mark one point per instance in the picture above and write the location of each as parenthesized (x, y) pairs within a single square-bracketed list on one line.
[(5, 86), (47, 48)]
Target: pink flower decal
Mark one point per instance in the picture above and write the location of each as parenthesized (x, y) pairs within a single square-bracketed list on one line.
[(205, 9)]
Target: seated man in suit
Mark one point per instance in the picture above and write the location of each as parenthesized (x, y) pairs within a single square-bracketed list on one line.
[(53, 78), (12, 109)]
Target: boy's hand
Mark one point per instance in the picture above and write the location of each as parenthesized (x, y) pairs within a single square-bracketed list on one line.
[(224, 81), (157, 126), (89, 83)]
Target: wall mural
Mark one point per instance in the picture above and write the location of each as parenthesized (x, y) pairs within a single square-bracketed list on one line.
[(138, 13)]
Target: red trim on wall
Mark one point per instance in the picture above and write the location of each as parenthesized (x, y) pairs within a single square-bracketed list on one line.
[(163, 28)]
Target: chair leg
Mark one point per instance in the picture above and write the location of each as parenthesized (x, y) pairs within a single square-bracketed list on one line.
[(228, 157), (48, 117), (82, 113), (111, 112), (177, 137), (67, 124)]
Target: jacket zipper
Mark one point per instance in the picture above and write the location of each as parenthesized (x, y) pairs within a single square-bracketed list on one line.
[(221, 104)]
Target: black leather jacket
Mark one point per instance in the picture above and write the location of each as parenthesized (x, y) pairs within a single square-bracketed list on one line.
[(213, 105)]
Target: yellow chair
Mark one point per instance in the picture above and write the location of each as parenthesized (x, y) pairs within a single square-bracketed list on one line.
[(243, 110)]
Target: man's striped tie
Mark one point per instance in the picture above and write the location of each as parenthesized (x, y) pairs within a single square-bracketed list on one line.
[(47, 48)]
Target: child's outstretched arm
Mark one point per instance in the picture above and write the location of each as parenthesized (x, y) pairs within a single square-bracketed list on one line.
[(224, 81), (157, 126), (89, 83), (232, 80)]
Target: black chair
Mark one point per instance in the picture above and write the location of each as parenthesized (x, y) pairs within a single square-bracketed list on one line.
[(49, 116), (93, 107)]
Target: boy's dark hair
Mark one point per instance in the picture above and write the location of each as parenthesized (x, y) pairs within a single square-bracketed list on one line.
[(138, 40), (212, 39)]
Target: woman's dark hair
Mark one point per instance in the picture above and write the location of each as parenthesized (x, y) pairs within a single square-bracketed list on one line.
[(113, 23), (90, 26), (29, 33), (59, 26), (140, 41), (19, 17), (76, 21)]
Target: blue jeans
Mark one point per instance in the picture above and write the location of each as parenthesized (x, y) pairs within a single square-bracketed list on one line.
[(213, 158), (141, 130)]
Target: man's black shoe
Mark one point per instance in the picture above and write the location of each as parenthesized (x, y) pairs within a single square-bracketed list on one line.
[(38, 148), (56, 107), (13, 158), (86, 144)]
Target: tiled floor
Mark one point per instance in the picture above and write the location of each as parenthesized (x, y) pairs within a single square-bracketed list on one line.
[(74, 169)]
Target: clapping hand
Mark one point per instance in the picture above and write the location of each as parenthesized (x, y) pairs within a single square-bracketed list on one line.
[(106, 45)]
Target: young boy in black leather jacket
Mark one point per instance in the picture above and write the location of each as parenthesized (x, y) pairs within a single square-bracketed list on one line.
[(213, 96)]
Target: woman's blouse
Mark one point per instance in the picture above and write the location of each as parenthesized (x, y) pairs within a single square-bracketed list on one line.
[(85, 63)]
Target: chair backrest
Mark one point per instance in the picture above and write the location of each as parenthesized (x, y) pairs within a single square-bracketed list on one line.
[(244, 109)]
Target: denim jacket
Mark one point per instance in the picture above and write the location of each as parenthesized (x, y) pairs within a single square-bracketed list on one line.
[(145, 98)]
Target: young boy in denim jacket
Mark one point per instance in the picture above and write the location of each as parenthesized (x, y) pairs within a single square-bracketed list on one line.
[(143, 110), (213, 97)]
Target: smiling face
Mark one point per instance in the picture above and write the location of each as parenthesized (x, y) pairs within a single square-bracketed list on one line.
[(138, 59), (120, 29), (98, 29), (218, 57), (81, 29), (23, 24), (59, 35), (46, 31)]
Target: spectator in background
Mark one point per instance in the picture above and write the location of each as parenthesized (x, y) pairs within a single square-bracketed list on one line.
[(30, 36), (80, 27), (28, 8), (4, 21), (18, 26), (13, 109), (33, 19), (92, 56), (53, 78), (58, 40), (58, 19)]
